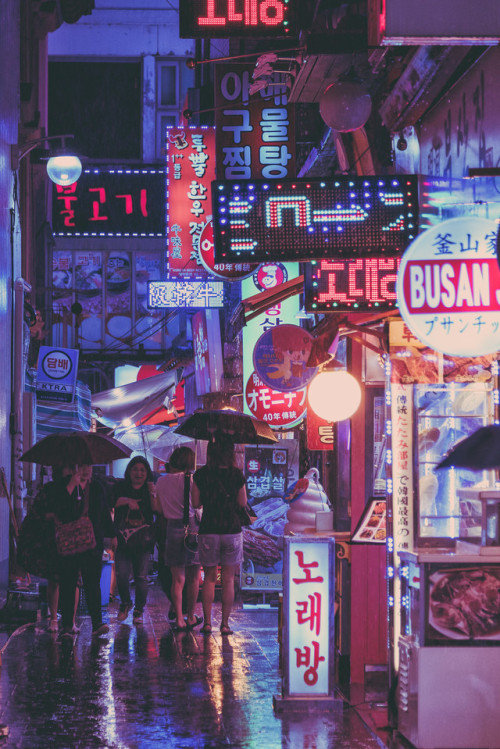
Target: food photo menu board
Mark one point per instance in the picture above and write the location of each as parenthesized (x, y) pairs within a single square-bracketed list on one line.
[(371, 528)]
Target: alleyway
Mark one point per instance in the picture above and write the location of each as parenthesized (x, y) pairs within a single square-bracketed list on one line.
[(146, 686)]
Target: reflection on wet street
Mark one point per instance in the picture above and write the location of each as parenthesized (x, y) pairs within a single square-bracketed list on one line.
[(144, 686)]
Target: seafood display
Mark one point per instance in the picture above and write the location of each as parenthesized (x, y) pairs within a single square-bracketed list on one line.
[(464, 603)]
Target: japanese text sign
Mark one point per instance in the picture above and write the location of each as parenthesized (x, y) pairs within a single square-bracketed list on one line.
[(348, 217), (111, 201), (308, 607), (190, 170), (185, 294), (56, 373), (225, 18), (255, 136), (449, 287), (343, 285)]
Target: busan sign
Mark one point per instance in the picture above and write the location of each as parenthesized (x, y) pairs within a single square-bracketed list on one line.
[(448, 287), (348, 217), (224, 18)]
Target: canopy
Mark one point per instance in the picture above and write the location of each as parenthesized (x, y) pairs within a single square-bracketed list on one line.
[(134, 401)]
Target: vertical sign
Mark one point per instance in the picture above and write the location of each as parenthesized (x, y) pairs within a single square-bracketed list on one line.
[(320, 435), (207, 351), (308, 607), (190, 171), (254, 138)]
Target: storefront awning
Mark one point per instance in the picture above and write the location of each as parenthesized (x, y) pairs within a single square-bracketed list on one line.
[(130, 403)]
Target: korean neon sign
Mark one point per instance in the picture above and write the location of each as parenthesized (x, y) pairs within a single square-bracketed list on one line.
[(224, 18), (303, 219), (111, 202), (351, 284)]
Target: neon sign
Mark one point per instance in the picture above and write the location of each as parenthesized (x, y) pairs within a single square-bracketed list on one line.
[(354, 284), (224, 18), (349, 217), (185, 294)]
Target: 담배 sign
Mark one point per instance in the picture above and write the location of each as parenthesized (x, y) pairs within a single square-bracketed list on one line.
[(56, 373), (448, 287)]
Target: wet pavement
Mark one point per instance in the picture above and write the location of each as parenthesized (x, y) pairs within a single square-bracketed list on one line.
[(143, 686)]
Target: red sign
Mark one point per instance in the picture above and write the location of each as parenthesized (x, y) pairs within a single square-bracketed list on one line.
[(224, 18), (226, 271), (319, 432), (277, 409), (190, 171), (354, 284), (255, 137)]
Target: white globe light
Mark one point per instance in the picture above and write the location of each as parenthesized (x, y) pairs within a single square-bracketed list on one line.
[(64, 170), (334, 396), (345, 106)]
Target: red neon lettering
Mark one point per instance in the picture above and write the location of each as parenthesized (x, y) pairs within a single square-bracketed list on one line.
[(277, 15), (251, 7), (95, 204), (211, 19), (390, 278), (231, 12), (128, 202)]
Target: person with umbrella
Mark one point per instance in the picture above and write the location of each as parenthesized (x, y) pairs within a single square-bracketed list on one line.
[(219, 487), (133, 514), (72, 494)]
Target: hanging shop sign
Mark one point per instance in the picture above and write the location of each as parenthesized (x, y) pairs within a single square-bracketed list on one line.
[(449, 287), (226, 271), (255, 134), (111, 202), (348, 217), (241, 18), (190, 154), (281, 410), (185, 294), (280, 358), (207, 351), (320, 433), (56, 373), (361, 284)]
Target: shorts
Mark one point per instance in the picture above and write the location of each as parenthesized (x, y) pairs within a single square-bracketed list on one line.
[(224, 549), (176, 554)]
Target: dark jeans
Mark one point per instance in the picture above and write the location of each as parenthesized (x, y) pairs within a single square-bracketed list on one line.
[(134, 561), (90, 566)]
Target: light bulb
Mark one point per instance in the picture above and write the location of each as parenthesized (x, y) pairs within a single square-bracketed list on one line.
[(64, 169)]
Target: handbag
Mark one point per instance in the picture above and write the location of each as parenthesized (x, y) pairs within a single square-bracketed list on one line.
[(136, 533), (190, 535), (244, 515), (77, 536)]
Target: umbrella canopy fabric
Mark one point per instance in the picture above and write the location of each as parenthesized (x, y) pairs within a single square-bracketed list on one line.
[(244, 429), (133, 401), (480, 451), (75, 448), (157, 440)]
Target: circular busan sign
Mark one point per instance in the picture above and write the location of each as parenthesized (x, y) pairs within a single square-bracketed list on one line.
[(448, 287)]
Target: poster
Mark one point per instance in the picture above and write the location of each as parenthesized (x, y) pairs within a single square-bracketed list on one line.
[(371, 528)]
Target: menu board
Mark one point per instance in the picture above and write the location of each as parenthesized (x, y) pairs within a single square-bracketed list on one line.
[(371, 528)]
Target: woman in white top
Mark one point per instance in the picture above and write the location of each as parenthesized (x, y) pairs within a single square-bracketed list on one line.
[(184, 564)]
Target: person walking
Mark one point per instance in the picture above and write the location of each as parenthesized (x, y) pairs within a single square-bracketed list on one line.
[(71, 495), (219, 487), (130, 498), (173, 492)]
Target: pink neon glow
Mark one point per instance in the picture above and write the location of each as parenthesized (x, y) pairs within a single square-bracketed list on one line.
[(211, 19)]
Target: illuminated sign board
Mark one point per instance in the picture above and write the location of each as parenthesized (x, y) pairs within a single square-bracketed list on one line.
[(366, 283), (185, 294), (225, 18), (449, 287), (111, 202), (303, 219)]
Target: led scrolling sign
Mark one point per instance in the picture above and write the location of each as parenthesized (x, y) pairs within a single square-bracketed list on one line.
[(301, 220), (225, 18)]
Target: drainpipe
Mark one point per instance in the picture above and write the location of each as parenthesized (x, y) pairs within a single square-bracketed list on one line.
[(16, 417)]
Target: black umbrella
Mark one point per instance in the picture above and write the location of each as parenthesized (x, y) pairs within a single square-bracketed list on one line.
[(480, 451), (75, 448), (242, 428)]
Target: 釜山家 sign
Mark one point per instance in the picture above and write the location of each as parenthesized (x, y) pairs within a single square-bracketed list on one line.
[(364, 283), (448, 287), (224, 18), (348, 217)]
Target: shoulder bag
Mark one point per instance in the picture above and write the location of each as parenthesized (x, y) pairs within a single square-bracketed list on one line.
[(242, 513), (78, 535)]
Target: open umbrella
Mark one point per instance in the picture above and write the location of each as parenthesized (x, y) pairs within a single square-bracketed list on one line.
[(480, 451), (75, 448), (244, 429), (156, 439)]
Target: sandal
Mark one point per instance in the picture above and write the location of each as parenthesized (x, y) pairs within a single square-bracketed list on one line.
[(206, 629), (197, 620), (225, 630)]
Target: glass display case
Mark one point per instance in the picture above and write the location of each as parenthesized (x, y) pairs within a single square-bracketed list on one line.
[(444, 415)]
